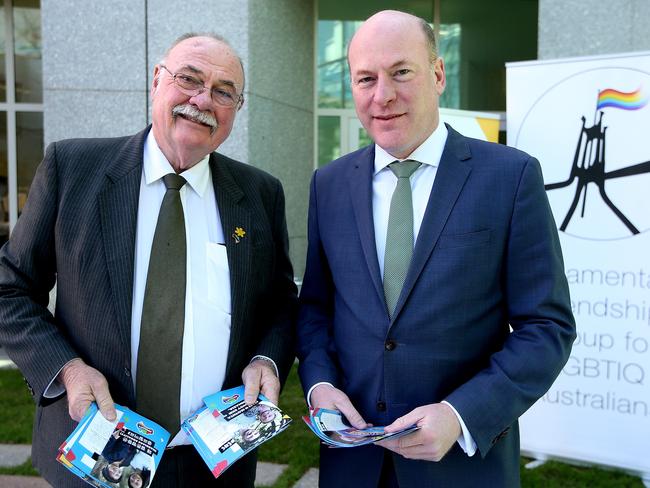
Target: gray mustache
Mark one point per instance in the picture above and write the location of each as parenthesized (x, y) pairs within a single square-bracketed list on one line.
[(191, 112)]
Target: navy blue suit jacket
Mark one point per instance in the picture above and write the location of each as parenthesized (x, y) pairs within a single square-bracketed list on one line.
[(487, 258)]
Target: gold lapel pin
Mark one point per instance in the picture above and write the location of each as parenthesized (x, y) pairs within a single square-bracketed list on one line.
[(238, 235)]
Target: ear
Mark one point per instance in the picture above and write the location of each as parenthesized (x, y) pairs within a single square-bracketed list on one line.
[(440, 80), (156, 80)]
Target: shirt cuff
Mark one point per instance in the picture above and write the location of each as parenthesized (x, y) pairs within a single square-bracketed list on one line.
[(312, 389), (55, 388), (265, 358), (465, 439)]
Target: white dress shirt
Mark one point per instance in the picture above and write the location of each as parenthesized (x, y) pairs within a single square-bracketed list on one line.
[(384, 183), (207, 298)]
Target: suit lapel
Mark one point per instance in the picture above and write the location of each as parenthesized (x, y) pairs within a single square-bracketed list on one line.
[(118, 210), (233, 214), (450, 179), (360, 181)]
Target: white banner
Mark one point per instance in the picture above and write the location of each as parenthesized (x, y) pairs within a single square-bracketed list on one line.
[(588, 122)]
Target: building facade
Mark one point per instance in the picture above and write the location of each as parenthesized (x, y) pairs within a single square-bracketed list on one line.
[(82, 68)]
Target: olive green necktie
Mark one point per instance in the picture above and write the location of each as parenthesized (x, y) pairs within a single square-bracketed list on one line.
[(158, 382), (399, 238)]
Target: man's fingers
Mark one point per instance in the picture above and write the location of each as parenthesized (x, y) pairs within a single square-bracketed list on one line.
[(410, 440), (77, 409), (354, 418), (271, 387), (104, 401), (252, 377), (419, 451), (407, 420), (388, 444), (406, 441), (327, 396)]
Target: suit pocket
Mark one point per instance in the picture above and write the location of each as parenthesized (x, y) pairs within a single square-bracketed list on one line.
[(218, 276), (477, 238)]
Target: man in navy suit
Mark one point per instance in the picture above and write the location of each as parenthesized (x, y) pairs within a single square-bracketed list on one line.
[(461, 329)]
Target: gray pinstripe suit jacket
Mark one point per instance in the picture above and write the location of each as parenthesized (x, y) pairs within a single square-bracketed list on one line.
[(78, 228)]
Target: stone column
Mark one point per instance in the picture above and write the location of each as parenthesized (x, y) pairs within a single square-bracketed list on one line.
[(589, 27)]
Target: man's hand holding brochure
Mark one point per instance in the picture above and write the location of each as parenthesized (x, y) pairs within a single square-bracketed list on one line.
[(110, 454), (113, 454), (128, 450), (227, 428), (333, 429)]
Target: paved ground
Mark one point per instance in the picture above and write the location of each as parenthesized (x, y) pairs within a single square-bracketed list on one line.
[(14, 454), (23, 482), (267, 474), (5, 362)]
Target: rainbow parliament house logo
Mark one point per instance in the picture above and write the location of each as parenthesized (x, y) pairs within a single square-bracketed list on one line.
[(596, 159)]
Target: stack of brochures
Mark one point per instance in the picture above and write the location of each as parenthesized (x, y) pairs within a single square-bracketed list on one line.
[(226, 429), (125, 452), (334, 430)]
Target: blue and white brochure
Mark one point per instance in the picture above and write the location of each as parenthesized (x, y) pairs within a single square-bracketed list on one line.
[(333, 429), (226, 429), (122, 453)]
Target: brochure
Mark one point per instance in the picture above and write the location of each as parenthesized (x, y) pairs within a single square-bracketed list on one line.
[(334, 430), (226, 429), (124, 453)]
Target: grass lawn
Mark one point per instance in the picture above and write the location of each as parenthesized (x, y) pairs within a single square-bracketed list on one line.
[(296, 447), (16, 409)]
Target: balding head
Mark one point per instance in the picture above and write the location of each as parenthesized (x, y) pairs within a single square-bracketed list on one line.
[(394, 19), (396, 81)]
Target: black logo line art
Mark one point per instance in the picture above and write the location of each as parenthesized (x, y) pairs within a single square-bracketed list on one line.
[(589, 167)]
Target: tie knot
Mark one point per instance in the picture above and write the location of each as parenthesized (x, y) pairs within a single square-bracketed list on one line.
[(173, 181), (404, 169)]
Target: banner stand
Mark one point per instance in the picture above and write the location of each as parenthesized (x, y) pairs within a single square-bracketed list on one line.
[(586, 120)]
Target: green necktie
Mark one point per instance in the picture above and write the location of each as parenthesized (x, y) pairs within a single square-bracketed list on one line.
[(399, 238), (158, 382)]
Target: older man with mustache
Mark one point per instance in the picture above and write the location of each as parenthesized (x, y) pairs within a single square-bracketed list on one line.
[(172, 270)]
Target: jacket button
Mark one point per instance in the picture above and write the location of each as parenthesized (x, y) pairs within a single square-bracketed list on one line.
[(127, 372), (381, 406), (390, 345)]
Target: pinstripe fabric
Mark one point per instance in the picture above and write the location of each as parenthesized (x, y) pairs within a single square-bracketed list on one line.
[(78, 226)]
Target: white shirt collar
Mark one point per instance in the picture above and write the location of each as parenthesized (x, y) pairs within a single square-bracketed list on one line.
[(429, 152), (155, 166)]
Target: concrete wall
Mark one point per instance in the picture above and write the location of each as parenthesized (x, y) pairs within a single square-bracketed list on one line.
[(281, 102), (94, 74), (98, 58), (589, 27)]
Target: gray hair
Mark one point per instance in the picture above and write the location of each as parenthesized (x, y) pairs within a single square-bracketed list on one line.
[(211, 35)]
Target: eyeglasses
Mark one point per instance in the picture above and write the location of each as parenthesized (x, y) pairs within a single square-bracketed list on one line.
[(222, 94)]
